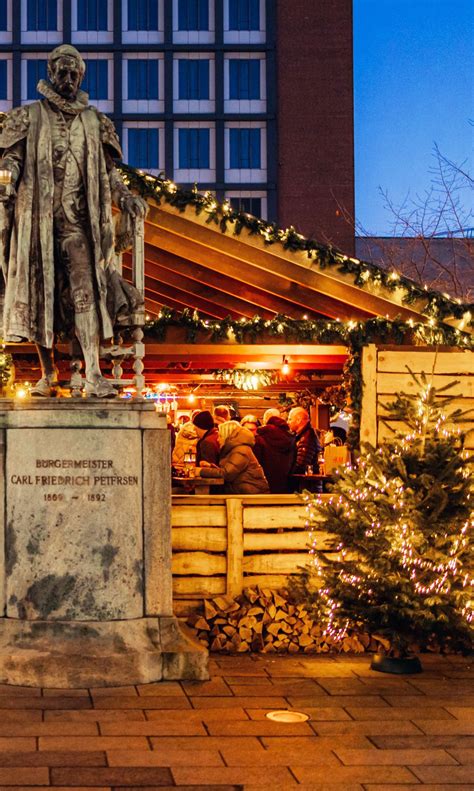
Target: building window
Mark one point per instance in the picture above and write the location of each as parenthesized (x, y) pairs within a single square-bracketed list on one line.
[(143, 81), (36, 70), (194, 151), (193, 15), (245, 148), (244, 83), (244, 21), (41, 21), (92, 14), (42, 15), (5, 82), (193, 21), (92, 21), (143, 148), (142, 15), (245, 152), (143, 145), (194, 83), (98, 80), (250, 202), (143, 21), (248, 205), (244, 14), (5, 21), (244, 79), (193, 79)]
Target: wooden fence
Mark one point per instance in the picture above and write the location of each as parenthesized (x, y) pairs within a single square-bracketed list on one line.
[(222, 544), (385, 372)]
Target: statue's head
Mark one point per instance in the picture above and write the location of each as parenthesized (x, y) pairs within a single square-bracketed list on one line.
[(66, 70)]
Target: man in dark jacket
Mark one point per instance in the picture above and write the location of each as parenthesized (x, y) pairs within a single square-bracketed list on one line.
[(207, 448), (307, 443), (276, 452)]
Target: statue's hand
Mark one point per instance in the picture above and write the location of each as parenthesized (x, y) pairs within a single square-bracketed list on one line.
[(134, 206), (7, 193)]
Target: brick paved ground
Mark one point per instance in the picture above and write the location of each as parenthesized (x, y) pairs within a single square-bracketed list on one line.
[(368, 731)]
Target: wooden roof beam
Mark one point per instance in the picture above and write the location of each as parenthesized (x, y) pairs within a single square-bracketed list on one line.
[(244, 350), (154, 307), (292, 266), (259, 298), (231, 306), (306, 297)]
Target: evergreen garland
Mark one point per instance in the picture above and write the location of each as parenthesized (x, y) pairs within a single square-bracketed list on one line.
[(353, 334), (6, 365), (159, 188)]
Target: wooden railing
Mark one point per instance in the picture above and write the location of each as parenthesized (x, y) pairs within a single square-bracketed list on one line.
[(222, 544)]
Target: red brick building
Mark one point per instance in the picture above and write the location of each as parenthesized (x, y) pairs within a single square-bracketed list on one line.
[(316, 119)]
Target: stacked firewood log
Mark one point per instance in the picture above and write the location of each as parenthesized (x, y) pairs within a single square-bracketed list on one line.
[(266, 621)]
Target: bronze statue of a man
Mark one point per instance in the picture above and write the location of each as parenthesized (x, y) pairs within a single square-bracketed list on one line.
[(59, 258)]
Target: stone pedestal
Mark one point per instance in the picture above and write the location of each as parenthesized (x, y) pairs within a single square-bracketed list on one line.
[(85, 578)]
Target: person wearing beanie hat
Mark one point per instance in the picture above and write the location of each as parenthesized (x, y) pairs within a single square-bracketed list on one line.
[(203, 420), (237, 463), (207, 449)]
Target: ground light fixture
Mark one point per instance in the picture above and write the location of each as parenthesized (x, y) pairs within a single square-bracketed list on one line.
[(284, 715)]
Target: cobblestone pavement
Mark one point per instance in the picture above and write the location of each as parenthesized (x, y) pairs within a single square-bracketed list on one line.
[(367, 731)]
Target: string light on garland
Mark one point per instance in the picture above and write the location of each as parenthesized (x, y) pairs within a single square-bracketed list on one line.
[(159, 188), (6, 365), (250, 379)]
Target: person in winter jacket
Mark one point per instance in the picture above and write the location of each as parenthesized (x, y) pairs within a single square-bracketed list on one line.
[(207, 448), (276, 446), (186, 441), (252, 423), (307, 443), (237, 464)]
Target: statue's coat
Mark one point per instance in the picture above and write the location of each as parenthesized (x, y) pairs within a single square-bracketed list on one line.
[(29, 292)]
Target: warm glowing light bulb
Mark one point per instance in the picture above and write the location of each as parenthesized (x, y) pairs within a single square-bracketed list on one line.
[(21, 393), (191, 398), (285, 368)]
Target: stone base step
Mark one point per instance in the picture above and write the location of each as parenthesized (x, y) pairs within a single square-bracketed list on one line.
[(72, 655)]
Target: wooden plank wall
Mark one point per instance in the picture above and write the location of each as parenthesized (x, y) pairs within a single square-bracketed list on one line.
[(384, 373), (222, 544)]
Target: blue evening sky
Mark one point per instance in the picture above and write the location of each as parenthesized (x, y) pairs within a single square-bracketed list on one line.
[(413, 87)]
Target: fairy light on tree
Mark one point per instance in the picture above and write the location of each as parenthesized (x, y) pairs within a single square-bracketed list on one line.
[(401, 522)]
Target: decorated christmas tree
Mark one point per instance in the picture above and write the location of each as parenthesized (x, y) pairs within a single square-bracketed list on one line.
[(400, 521)]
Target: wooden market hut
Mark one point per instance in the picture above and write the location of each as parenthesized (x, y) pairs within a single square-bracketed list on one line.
[(225, 291), (231, 267)]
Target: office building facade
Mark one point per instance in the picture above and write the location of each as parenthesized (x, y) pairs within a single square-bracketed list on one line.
[(205, 91)]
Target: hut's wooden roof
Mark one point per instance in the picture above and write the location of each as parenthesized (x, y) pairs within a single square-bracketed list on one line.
[(204, 256)]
